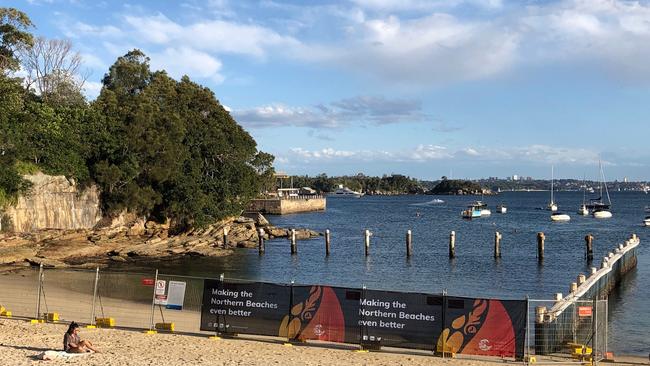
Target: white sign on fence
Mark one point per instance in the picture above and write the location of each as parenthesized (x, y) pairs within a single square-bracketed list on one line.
[(176, 295)]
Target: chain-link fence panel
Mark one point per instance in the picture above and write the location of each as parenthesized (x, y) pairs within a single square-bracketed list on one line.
[(125, 298), (568, 332), (67, 295), (19, 293), (178, 301)]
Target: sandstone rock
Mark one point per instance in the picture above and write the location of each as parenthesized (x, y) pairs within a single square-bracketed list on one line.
[(137, 229), (244, 220), (277, 232), (54, 202), (46, 262)]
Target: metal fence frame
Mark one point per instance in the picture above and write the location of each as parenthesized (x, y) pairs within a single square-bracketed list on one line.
[(568, 333)]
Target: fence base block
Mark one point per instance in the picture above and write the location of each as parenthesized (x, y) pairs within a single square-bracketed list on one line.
[(168, 327), (215, 338), (105, 322), (287, 344), (36, 321), (90, 326), (6, 313), (530, 359), (150, 331)]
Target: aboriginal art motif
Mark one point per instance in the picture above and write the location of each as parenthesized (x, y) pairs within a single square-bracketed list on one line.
[(486, 329), (319, 316)]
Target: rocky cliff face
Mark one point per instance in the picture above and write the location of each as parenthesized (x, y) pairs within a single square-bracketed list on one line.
[(54, 202)]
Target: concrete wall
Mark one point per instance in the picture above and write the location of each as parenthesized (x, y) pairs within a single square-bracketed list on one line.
[(287, 206), (54, 202)]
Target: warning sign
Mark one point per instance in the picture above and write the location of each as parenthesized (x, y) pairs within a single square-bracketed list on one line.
[(160, 287), (584, 311)]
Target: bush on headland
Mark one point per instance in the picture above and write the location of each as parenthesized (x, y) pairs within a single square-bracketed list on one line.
[(156, 146)]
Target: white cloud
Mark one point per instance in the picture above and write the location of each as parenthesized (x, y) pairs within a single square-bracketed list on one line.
[(406, 43), (92, 89), (187, 61), (376, 110), (535, 154), (216, 36)]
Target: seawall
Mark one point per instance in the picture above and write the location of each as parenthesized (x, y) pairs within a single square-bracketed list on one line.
[(285, 206)]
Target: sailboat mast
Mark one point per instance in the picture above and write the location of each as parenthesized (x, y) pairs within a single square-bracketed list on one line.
[(602, 174), (552, 178)]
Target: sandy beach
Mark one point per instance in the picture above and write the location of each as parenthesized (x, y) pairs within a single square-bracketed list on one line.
[(21, 343)]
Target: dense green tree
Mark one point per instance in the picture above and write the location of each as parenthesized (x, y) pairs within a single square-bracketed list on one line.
[(169, 148), (13, 36)]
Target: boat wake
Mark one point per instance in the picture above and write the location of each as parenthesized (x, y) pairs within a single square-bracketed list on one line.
[(433, 202)]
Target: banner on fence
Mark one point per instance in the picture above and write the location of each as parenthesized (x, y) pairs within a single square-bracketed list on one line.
[(248, 308), (484, 327), (409, 320)]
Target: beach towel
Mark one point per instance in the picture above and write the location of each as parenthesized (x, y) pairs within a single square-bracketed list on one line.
[(60, 355)]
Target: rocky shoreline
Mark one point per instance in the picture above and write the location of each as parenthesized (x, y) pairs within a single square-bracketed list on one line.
[(120, 240)]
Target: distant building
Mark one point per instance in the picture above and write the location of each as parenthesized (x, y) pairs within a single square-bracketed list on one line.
[(515, 177)]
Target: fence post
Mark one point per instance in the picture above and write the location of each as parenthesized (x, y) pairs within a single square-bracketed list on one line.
[(327, 242), (92, 316), (594, 332), (153, 301), (409, 244), (452, 244), (40, 290)]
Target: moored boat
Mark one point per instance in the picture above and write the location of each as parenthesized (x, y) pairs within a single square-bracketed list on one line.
[(342, 191), (600, 209), (552, 206), (502, 208), (646, 222), (583, 210), (558, 216)]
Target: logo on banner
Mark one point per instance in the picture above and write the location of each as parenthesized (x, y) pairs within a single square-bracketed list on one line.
[(484, 345), (318, 330)]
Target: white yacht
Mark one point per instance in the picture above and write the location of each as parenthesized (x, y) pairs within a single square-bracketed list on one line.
[(558, 216), (342, 191), (502, 208), (600, 209), (646, 222)]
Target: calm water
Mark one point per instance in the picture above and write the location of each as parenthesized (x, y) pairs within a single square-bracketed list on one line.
[(473, 272)]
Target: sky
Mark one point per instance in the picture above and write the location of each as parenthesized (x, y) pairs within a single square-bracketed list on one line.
[(460, 88)]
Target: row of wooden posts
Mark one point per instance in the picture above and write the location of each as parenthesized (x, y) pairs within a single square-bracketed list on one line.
[(589, 250)]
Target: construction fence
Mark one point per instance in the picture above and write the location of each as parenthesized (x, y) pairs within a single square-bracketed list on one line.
[(442, 324)]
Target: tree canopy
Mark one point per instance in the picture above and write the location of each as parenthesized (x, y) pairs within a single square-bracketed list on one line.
[(155, 146)]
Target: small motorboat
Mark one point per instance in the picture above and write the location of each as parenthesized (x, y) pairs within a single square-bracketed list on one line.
[(646, 222), (558, 216), (502, 208)]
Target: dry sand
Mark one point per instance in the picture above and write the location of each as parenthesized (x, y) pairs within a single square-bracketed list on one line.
[(22, 342)]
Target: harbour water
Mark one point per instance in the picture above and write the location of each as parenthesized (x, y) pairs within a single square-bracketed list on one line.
[(474, 272)]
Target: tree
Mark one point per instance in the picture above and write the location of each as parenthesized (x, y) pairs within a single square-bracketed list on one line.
[(53, 71), (13, 36), (169, 149)]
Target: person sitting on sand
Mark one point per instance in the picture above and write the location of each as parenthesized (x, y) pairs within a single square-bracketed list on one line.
[(72, 343)]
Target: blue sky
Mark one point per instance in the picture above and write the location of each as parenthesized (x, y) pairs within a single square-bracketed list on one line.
[(471, 88)]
